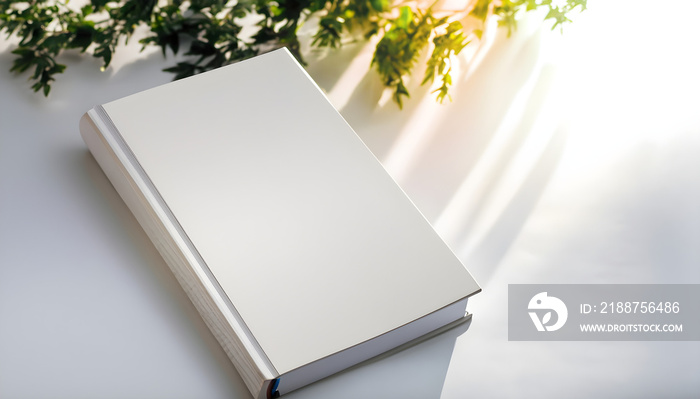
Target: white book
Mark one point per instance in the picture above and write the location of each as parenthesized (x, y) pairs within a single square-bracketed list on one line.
[(300, 252)]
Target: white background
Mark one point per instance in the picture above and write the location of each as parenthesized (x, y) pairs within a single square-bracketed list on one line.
[(562, 159)]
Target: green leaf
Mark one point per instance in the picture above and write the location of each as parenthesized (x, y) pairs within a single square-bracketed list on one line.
[(83, 37), (53, 44), (380, 5), (481, 9), (104, 52), (571, 4), (86, 10), (26, 58), (558, 15), (405, 17)]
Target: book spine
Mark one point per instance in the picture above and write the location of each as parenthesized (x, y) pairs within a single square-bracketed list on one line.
[(225, 325)]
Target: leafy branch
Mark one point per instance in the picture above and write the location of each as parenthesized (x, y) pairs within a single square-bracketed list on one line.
[(446, 46), (508, 10), (210, 30)]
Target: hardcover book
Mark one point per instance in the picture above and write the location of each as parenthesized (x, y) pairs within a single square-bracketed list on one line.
[(299, 251)]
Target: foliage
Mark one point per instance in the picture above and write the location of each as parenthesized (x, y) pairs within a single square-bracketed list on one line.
[(210, 30), (398, 50)]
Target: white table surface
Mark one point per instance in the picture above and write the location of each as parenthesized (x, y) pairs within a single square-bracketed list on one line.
[(562, 159)]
